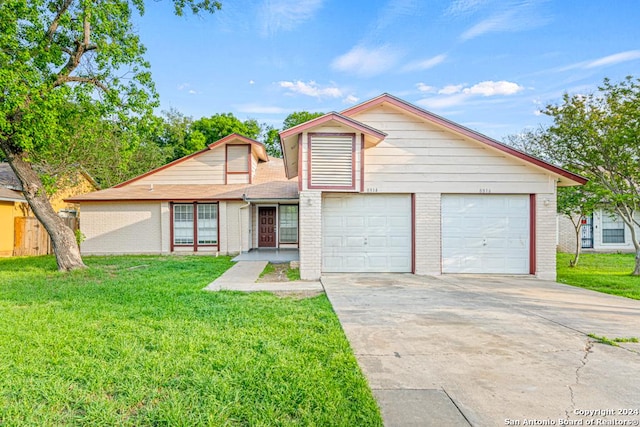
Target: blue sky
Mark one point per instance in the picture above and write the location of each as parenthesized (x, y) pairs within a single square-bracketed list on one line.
[(490, 65)]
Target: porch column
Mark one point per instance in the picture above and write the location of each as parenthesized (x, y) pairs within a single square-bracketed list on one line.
[(310, 230)]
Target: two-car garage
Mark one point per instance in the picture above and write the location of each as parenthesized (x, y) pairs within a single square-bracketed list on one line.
[(481, 233)]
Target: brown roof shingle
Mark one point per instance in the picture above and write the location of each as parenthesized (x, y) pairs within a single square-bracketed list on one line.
[(268, 183)]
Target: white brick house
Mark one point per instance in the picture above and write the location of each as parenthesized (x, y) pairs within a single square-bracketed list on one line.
[(383, 186), (602, 231), (386, 186)]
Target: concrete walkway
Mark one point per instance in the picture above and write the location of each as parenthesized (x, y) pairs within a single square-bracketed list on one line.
[(243, 275)]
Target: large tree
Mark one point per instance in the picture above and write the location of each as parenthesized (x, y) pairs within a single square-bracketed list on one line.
[(56, 53), (598, 136)]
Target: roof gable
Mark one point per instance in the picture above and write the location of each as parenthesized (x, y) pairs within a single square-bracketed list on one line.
[(257, 148), (461, 130)]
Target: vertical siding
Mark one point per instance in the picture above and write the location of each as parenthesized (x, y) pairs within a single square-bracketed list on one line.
[(119, 228), (207, 168), (6, 230), (232, 225), (420, 157)]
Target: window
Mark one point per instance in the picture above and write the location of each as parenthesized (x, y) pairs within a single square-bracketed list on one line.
[(612, 228), (288, 223), (206, 224), (183, 224)]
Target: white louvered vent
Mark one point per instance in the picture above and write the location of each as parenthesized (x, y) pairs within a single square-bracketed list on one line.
[(332, 161)]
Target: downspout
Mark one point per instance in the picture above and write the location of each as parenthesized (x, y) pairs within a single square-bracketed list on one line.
[(244, 198)]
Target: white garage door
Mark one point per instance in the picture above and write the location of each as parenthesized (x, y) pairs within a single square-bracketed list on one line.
[(485, 234), (366, 233)]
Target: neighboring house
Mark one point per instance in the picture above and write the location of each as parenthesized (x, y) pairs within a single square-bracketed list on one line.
[(384, 186), (13, 204), (603, 231)]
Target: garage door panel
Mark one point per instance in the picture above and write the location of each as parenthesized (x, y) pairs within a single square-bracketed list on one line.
[(375, 237), (485, 234)]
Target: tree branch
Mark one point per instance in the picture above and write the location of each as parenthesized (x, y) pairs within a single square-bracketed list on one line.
[(54, 24), (71, 79)]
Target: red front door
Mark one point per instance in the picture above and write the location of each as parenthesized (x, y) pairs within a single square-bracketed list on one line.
[(267, 227)]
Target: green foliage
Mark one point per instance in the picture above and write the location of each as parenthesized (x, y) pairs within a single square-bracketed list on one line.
[(299, 117), (80, 237), (607, 273), (598, 135), (293, 274), (135, 341), (272, 135), (218, 126)]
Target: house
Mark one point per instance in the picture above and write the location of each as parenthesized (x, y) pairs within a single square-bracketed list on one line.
[(15, 211), (383, 186), (229, 197), (602, 231), (12, 203)]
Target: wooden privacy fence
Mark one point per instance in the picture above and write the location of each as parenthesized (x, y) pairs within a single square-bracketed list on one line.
[(31, 238)]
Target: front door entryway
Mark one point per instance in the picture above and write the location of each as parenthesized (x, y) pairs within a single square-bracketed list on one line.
[(267, 227)]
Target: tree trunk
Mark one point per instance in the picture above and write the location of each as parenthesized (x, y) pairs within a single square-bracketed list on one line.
[(62, 237), (576, 256), (636, 270)]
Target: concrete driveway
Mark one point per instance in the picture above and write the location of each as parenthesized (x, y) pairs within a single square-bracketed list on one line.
[(489, 351)]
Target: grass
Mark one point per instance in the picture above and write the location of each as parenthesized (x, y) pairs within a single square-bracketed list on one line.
[(292, 274), (268, 269), (612, 341), (607, 273), (135, 341)]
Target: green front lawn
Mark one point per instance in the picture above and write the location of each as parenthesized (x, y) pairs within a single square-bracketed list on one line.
[(135, 341), (608, 273)]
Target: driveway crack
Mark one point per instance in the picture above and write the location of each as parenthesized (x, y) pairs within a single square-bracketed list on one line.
[(583, 362)]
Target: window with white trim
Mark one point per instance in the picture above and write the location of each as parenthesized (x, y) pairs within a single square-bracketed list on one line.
[(288, 223), (183, 224), (612, 228), (206, 223)]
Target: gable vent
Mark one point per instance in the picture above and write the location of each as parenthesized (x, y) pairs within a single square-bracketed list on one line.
[(332, 160)]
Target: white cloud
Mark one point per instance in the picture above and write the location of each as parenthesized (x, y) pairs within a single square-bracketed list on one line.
[(183, 86), (491, 88), (251, 82), (351, 99), (425, 88), (285, 15), (192, 92), (460, 7), (617, 58), (454, 95), (512, 16), (450, 89), (367, 62), (260, 109), (441, 102), (425, 64), (310, 89)]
